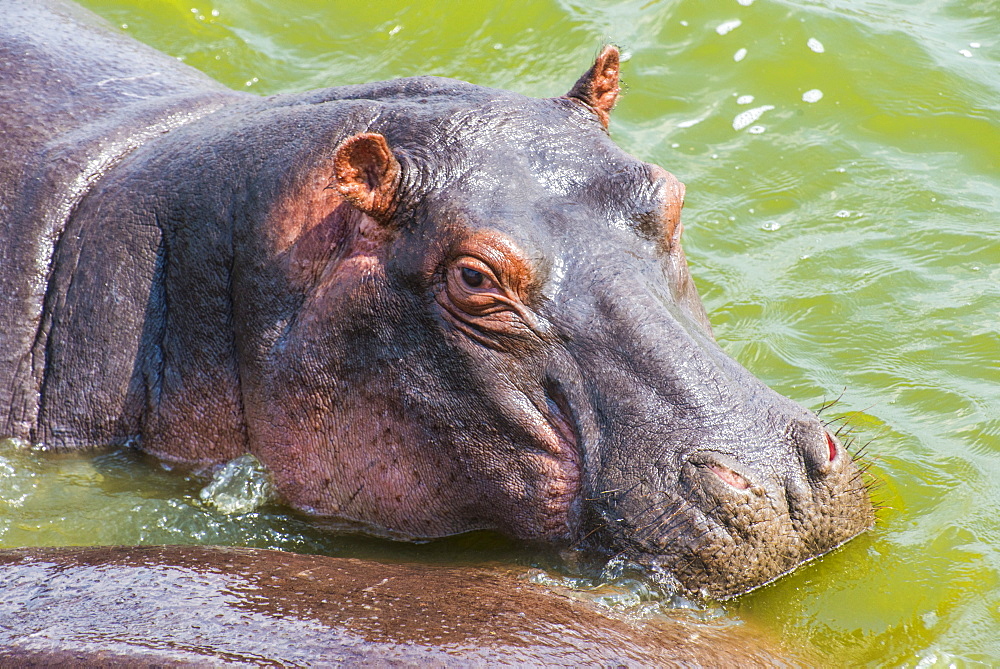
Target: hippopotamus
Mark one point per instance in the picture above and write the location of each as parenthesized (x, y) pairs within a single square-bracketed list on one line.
[(195, 605), (427, 307)]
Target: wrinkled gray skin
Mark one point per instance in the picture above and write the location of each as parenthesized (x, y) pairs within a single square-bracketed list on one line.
[(428, 307)]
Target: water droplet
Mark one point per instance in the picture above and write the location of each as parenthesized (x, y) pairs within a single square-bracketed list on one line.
[(728, 26), (124, 26), (684, 23), (395, 30), (770, 225), (843, 213), (740, 55), (745, 3), (497, 46), (215, 12), (744, 99), (815, 45), (756, 129), (965, 52), (812, 95), (975, 45), (743, 119)]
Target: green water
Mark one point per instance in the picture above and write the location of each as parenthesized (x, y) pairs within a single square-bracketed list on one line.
[(846, 243)]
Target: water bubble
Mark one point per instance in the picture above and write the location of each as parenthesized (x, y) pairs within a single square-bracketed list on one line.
[(728, 26), (743, 119), (745, 3), (975, 45), (815, 45), (395, 30), (740, 55), (744, 99), (497, 46), (843, 213), (770, 225), (813, 95), (756, 129), (965, 52), (215, 12), (684, 23)]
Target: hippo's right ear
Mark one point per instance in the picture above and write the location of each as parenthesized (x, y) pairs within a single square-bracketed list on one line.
[(599, 87), (367, 174)]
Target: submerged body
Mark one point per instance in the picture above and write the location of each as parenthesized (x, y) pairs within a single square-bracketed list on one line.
[(426, 306), (192, 605)]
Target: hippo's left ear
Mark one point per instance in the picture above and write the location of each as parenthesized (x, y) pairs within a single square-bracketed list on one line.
[(367, 174), (598, 88)]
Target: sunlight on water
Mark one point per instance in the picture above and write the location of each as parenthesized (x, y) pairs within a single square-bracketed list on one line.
[(240, 486), (842, 232)]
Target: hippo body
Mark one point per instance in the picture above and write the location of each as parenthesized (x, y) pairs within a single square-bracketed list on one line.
[(427, 307), (193, 605)]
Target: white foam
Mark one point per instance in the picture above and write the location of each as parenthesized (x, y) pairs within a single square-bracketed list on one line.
[(743, 119), (813, 95), (728, 26)]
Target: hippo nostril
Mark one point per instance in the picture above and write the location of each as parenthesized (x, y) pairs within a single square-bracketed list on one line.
[(832, 446), (730, 477)]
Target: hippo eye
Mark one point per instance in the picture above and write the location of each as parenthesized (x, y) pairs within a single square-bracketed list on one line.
[(473, 288), (473, 278), (472, 275)]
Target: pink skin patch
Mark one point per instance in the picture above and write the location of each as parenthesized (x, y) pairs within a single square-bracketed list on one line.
[(832, 445), (730, 477)]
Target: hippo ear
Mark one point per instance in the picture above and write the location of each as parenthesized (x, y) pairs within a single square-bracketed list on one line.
[(598, 88), (367, 174)]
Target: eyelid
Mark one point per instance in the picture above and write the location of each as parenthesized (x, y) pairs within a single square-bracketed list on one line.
[(474, 263)]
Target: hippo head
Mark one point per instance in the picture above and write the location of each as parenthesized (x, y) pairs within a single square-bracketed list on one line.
[(488, 323)]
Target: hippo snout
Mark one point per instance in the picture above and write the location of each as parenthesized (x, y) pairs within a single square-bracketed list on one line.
[(732, 524)]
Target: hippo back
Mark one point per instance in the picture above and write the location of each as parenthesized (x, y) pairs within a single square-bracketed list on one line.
[(75, 97), (194, 605)]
